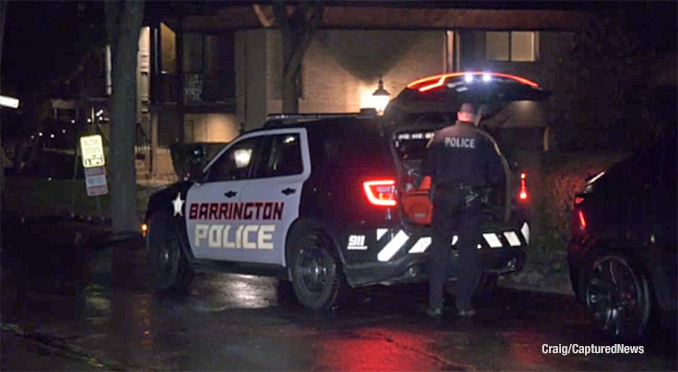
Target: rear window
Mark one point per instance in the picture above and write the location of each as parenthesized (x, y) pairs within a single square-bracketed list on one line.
[(411, 144), (416, 131), (359, 144)]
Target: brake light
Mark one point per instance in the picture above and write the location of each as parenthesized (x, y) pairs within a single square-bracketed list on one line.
[(435, 81), (523, 188), (582, 220), (380, 192)]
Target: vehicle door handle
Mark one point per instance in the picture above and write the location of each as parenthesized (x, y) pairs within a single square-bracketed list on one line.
[(230, 194), (288, 191)]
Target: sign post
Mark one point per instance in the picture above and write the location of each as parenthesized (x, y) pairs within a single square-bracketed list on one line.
[(92, 150)]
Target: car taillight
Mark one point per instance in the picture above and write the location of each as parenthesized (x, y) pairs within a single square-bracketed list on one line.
[(582, 220), (523, 189), (578, 198), (380, 192)]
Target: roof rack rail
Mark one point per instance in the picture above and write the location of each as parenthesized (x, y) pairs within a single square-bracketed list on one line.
[(301, 117), (283, 119)]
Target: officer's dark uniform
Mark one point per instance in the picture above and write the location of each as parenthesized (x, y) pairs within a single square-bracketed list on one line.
[(461, 160)]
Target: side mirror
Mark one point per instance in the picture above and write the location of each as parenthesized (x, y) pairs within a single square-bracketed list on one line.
[(195, 174)]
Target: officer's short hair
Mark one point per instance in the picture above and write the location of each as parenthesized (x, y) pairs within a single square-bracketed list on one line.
[(469, 107)]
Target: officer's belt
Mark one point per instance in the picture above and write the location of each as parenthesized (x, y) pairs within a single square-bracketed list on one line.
[(458, 186)]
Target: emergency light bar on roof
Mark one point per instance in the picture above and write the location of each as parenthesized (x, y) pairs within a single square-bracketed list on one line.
[(296, 118), (436, 81)]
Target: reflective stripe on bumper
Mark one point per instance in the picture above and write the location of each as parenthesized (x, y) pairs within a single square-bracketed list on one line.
[(399, 240)]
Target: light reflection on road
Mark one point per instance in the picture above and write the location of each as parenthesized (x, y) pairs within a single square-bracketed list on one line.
[(219, 292)]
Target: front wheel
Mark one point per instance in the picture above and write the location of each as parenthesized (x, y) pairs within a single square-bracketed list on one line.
[(618, 296), (170, 269), (316, 271)]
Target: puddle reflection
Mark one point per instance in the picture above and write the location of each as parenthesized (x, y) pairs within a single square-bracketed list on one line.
[(219, 292)]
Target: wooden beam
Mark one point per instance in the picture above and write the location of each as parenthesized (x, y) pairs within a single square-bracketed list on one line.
[(338, 17)]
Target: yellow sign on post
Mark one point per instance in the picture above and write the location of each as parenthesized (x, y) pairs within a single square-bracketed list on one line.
[(92, 149)]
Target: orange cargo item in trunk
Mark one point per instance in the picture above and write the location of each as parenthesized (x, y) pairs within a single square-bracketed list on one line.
[(417, 204)]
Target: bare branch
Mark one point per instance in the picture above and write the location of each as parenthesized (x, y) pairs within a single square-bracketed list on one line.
[(308, 32), (264, 15), (280, 12)]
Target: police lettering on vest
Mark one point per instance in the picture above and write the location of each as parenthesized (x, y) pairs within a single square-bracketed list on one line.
[(460, 142)]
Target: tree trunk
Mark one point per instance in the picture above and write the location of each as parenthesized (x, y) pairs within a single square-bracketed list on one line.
[(290, 98), (297, 31), (124, 21)]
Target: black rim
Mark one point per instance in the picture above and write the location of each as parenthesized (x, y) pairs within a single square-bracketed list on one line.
[(165, 252), (313, 267), (615, 296)]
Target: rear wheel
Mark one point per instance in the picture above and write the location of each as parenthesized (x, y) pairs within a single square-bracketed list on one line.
[(618, 296), (170, 269), (316, 271)]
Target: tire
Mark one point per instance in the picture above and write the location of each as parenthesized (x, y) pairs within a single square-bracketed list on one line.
[(170, 269), (317, 277), (617, 294)]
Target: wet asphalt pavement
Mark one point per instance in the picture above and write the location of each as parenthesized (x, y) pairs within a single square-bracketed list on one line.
[(64, 308)]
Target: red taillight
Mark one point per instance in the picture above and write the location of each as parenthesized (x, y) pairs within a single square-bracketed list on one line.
[(523, 188), (582, 220), (380, 192)]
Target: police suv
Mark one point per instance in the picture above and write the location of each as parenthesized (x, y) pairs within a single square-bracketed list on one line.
[(328, 202)]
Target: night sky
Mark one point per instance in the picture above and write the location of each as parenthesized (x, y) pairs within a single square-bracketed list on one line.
[(44, 39)]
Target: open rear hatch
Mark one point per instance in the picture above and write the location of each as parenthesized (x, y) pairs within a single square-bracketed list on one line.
[(408, 144)]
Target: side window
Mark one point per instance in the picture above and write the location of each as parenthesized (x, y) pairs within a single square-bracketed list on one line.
[(281, 157), (235, 163)]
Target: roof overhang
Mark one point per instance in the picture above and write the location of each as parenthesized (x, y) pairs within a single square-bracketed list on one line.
[(390, 18)]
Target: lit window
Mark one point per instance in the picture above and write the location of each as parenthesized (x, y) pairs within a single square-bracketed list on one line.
[(515, 46), (242, 157)]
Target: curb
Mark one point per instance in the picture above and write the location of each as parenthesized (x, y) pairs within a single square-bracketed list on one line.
[(61, 348)]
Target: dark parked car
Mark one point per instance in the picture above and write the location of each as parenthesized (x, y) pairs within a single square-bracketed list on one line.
[(622, 255)]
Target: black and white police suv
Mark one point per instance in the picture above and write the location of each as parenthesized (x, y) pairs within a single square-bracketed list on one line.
[(328, 202)]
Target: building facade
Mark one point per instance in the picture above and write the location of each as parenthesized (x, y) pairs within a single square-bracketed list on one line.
[(212, 76)]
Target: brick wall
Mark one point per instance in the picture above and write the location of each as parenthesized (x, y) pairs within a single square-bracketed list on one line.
[(342, 67)]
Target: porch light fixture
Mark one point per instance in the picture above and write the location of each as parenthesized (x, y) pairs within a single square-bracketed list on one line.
[(381, 97)]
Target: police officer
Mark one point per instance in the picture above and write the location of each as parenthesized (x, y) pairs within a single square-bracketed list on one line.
[(461, 160)]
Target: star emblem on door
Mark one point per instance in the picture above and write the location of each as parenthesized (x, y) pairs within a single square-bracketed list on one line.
[(178, 204)]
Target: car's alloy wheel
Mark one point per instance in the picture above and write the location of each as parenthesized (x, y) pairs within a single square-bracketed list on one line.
[(170, 269), (618, 297), (316, 274)]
